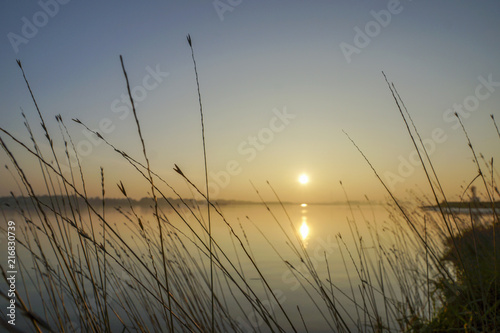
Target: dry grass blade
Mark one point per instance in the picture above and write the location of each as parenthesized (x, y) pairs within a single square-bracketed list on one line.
[(206, 183), (155, 199)]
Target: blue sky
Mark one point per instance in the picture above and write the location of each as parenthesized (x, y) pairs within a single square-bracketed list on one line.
[(257, 59)]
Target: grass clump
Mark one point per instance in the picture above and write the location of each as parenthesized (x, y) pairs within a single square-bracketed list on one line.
[(471, 300)]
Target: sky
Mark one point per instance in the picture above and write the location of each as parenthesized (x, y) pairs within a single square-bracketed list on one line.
[(280, 83)]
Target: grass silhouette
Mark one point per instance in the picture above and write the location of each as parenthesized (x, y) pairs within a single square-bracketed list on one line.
[(434, 272)]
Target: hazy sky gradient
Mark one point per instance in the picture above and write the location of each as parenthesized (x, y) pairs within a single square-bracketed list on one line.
[(263, 56)]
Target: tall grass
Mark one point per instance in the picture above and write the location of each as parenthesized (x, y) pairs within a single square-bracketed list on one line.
[(206, 185), (417, 271)]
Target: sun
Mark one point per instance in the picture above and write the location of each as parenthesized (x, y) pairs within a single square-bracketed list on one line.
[(303, 179)]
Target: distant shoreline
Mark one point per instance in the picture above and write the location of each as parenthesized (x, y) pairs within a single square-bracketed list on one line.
[(146, 202), (466, 207)]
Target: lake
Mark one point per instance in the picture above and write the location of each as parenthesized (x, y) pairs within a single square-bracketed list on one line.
[(274, 240)]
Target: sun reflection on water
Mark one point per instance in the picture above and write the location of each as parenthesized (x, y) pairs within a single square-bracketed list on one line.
[(304, 229)]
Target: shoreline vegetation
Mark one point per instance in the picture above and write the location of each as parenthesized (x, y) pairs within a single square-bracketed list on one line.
[(464, 207), (418, 271)]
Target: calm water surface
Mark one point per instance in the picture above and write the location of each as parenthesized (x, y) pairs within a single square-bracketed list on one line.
[(269, 237)]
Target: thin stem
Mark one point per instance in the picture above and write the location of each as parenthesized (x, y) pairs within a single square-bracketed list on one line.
[(206, 184)]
